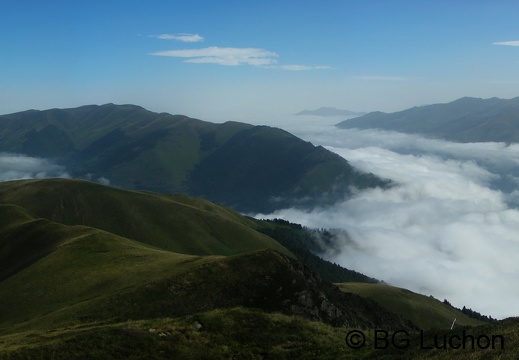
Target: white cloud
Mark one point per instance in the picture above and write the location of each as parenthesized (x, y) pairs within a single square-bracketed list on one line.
[(380, 78), (447, 230), (103, 181), (235, 56), (18, 166), (507, 43), (179, 37), (223, 56)]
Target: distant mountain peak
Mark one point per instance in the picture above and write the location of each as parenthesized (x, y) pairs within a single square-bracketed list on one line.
[(230, 163), (330, 111), (467, 119)]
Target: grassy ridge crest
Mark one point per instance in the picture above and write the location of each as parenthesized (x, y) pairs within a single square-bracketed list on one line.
[(424, 311), (249, 168), (172, 222)]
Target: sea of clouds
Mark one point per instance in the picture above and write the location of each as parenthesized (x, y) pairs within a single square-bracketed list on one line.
[(448, 228)]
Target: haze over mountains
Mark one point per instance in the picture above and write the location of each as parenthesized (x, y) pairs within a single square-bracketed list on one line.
[(330, 111), (463, 120)]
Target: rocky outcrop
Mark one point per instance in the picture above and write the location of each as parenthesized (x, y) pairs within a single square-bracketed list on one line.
[(265, 280)]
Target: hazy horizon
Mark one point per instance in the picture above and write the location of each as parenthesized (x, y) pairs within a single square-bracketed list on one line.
[(233, 59)]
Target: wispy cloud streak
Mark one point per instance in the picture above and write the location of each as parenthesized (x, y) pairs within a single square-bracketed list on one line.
[(380, 78), (223, 56), (229, 56), (179, 37), (507, 43)]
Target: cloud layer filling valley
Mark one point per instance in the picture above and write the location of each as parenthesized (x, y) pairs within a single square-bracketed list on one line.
[(448, 229)]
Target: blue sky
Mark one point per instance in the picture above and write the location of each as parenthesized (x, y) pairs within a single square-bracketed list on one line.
[(244, 60)]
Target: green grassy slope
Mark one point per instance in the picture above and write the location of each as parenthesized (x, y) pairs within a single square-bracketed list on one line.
[(57, 272), (12, 215), (264, 280), (78, 266), (172, 222), (424, 311), (237, 333), (87, 275), (178, 223), (240, 333), (24, 239)]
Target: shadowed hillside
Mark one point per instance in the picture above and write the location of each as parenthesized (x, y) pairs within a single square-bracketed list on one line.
[(250, 168)]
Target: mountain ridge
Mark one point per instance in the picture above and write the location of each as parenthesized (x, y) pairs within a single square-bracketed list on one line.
[(158, 220), (463, 120), (250, 168), (81, 270), (171, 222)]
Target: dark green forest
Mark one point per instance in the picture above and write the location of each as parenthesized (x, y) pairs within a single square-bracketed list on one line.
[(306, 244)]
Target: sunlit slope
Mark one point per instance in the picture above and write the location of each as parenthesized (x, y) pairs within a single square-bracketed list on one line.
[(66, 270), (173, 222), (237, 333), (265, 280), (424, 311), (241, 333), (64, 275)]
